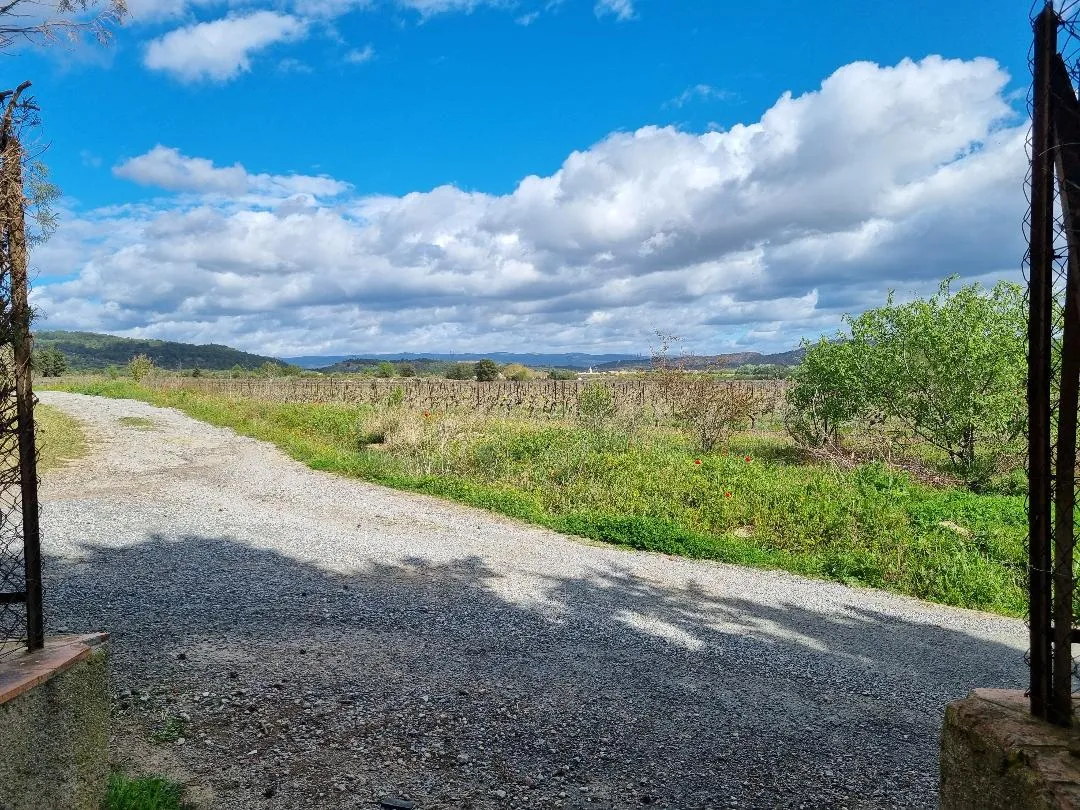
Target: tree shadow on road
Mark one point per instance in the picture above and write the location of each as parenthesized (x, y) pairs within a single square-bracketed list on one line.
[(453, 683)]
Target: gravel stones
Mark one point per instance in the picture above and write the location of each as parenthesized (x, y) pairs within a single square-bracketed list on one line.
[(344, 643)]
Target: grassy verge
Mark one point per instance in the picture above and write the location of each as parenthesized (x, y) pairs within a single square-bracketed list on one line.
[(142, 793), (754, 503), (60, 438)]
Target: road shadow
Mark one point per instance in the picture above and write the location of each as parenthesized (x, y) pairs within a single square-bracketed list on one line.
[(463, 687)]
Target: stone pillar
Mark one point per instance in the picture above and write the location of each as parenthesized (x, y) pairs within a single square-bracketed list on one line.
[(996, 756), (54, 726)]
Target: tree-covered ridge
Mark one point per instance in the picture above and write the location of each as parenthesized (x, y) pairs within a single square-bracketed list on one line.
[(91, 351)]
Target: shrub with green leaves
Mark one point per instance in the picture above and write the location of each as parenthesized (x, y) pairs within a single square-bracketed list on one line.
[(385, 370), (486, 370), (139, 367), (948, 370), (460, 371), (596, 406)]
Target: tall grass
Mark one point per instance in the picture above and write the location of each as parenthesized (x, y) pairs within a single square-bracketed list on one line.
[(753, 502), (60, 438)]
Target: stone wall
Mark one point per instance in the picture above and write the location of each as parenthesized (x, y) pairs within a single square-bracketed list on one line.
[(996, 756), (54, 726)]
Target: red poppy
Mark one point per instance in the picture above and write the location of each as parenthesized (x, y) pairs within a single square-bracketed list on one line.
[(697, 460), (727, 494), (427, 415), (748, 458)]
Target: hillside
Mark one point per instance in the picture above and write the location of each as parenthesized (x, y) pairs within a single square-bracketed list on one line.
[(734, 360), (578, 360), (90, 351)]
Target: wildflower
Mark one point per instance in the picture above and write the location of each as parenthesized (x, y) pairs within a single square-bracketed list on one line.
[(748, 459), (427, 414), (697, 460), (727, 494)]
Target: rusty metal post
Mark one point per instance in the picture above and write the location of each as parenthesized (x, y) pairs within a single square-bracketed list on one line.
[(1040, 287), (1065, 133)]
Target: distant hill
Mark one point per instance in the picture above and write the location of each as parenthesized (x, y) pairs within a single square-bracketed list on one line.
[(733, 360), (576, 360), (90, 351)]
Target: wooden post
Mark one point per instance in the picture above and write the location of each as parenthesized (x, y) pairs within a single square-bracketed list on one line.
[(14, 216)]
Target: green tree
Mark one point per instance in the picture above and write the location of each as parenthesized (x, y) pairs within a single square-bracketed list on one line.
[(50, 362), (518, 372), (827, 394), (486, 370), (384, 370), (460, 371), (406, 370), (949, 369), (562, 374), (140, 367)]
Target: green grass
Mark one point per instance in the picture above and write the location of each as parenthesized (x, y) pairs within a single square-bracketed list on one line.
[(60, 438), (138, 422), (142, 793), (868, 526), (170, 729)]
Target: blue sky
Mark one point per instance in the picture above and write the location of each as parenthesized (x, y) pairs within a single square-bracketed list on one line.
[(330, 176)]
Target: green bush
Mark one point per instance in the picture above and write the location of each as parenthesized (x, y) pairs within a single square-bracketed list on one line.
[(948, 370), (140, 367), (461, 371), (486, 370), (384, 370)]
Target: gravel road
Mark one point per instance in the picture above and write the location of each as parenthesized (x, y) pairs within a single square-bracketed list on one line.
[(318, 642)]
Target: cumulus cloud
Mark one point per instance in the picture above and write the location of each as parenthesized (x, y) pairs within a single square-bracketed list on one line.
[(222, 49), (885, 176), (167, 168)]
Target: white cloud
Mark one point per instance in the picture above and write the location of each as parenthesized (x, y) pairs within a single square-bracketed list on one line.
[(168, 169), (358, 56), (431, 7), (698, 92), (222, 49), (763, 233), (621, 9)]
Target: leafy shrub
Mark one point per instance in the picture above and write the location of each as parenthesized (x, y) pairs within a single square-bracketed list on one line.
[(562, 374), (596, 407), (384, 370), (460, 371), (826, 396), (486, 370), (140, 367), (948, 370), (406, 370), (517, 372)]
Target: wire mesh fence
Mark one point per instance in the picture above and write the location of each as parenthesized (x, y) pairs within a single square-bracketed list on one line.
[(1052, 267), (21, 621)]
